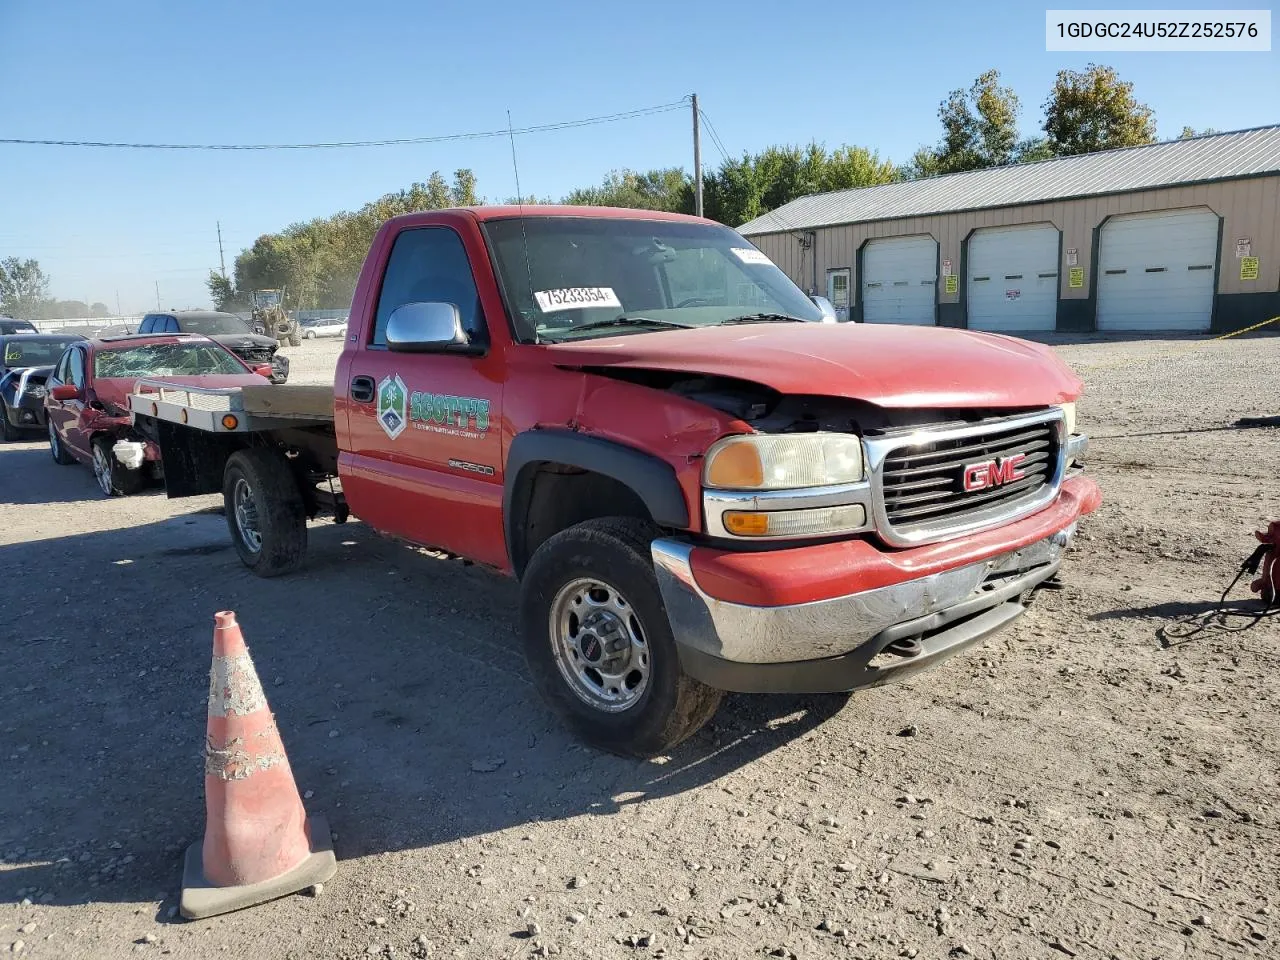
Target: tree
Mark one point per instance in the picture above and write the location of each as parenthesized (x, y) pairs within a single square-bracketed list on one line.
[(1189, 132), (99, 309), (979, 129), (1094, 110), (669, 189), (224, 294), (24, 287), (1032, 150)]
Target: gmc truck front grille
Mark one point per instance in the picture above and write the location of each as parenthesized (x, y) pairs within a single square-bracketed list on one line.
[(952, 481)]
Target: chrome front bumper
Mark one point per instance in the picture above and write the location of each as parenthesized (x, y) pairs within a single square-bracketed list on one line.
[(840, 643)]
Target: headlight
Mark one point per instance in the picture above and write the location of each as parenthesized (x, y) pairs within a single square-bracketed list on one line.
[(1069, 409), (756, 462)]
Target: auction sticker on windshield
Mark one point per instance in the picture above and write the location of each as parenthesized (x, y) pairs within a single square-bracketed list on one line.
[(576, 298), (747, 255)]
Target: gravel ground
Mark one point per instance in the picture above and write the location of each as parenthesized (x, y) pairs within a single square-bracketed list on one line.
[(1098, 781)]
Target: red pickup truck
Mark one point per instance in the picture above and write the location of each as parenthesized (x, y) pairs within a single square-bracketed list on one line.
[(701, 485)]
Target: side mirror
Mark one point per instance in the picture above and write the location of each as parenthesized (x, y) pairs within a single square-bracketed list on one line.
[(426, 328), (263, 370), (66, 391), (829, 314)]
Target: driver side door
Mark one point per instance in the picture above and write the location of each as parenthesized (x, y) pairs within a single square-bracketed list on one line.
[(65, 415)]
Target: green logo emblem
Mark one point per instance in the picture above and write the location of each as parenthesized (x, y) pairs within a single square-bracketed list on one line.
[(392, 406)]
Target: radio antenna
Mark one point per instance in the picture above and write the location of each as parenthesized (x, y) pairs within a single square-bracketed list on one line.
[(524, 233)]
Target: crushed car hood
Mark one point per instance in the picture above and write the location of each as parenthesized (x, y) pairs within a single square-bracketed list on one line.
[(892, 366), (240, 342)]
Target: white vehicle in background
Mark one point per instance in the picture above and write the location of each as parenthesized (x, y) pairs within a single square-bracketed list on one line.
[(331, 327)]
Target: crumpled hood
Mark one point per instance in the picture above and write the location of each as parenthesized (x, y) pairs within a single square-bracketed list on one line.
[(889, 365), (238, 343)]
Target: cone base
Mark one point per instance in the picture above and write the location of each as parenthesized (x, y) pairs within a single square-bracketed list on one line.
[(200, 899)]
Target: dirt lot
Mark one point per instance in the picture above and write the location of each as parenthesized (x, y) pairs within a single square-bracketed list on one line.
[(1074, 788)]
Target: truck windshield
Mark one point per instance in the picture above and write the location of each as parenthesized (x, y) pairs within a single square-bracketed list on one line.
[(165, 360), (570, 278)]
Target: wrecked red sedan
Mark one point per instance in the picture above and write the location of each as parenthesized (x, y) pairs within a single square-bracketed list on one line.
[(87, 410)]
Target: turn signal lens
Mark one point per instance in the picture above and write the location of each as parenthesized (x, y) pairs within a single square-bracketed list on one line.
[(735, 466), (783, 462), (796, 523), (229, 421)]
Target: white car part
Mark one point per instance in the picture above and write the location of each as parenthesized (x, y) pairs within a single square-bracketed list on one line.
[(130, 453)]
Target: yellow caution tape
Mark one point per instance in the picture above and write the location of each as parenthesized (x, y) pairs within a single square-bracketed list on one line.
[(1236, 333)]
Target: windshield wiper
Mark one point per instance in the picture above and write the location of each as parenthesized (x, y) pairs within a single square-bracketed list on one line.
[(764, 318), (631, 322)]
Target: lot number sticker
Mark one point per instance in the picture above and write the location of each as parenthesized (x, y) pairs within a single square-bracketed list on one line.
[(576, 298), (747, 255)]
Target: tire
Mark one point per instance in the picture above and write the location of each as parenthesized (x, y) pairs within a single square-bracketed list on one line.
[(265, 513), (311, 335), (113, 479), (59, 452), (294, 339), (650, 712), (8, 432)]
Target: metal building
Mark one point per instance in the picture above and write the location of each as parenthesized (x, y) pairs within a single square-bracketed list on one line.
[(1183, 235)]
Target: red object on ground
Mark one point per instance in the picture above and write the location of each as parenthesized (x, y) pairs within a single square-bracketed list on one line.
[(1268, 582), (258, 842)]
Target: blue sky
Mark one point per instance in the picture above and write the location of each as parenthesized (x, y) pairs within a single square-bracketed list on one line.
[(102, 221)]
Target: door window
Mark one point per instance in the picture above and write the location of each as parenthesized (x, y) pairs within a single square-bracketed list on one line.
[(77, 368), (429, 264), (147, 325)]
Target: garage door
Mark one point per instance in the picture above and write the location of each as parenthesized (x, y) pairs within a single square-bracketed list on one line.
[(1155, 270), (899, 280), (1013, 278)]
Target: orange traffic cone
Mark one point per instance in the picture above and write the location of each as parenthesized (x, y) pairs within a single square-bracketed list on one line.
[(258, 842)]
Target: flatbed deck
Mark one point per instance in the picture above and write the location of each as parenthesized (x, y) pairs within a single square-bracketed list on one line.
[(234, 409)]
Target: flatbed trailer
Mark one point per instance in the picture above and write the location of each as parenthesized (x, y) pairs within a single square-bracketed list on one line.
[(270, 451)]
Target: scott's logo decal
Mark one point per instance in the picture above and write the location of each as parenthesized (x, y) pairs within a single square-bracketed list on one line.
[(393, 403)]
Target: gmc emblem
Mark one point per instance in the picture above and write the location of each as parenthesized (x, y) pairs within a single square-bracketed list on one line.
[(993, 473)]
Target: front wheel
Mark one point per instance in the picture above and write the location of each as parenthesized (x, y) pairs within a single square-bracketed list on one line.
[(114, 479), (265, 513), (8, 432), (311, 334), (599, 645)]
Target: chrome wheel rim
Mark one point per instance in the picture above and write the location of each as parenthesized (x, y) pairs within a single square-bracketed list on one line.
[(599, 645), (102, 469), (246, 514)]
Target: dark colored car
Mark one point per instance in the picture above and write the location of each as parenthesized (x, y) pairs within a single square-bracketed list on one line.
[(87, 399), (9, 325), (26, 360), (227, 329)]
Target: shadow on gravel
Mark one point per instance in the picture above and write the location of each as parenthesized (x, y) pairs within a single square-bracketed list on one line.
[(396, 679), (28, 475)]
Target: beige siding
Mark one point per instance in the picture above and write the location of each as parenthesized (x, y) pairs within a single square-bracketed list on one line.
[(1249, 208)]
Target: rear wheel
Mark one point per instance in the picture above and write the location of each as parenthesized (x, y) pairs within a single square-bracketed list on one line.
[(114, 479), (599, 645), (265, 513), (59, 452)]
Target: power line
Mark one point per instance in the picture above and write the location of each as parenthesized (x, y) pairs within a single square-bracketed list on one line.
[(403, 141), (715, 137)]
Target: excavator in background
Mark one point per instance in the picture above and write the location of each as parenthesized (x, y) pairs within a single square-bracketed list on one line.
[(268, 314)]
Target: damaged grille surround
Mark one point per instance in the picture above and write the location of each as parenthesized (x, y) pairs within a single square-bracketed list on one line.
[(914, 489)]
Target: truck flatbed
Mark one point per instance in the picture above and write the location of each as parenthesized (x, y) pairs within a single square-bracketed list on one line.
[(233, 409)]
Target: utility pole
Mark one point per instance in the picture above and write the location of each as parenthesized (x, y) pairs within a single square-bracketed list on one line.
[(697, 161), (119, 312), (221, 259), (158, 307)]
